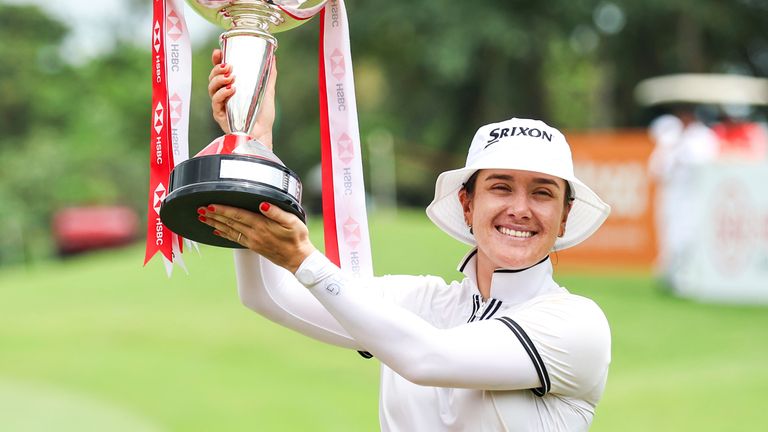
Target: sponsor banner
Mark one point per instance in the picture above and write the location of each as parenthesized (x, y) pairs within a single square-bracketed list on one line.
[(614, 164), (728, 258)]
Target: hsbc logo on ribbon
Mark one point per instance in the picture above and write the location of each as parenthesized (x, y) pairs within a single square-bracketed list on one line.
[(157, 39), (346, 148), (338, 69), (174, 26), (352, 232), (176, 105), (158, 119), (159, 196)]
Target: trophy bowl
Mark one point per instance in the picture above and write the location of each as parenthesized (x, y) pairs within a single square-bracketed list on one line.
[(236, 169)]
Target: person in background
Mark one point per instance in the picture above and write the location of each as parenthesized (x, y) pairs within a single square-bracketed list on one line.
[(682, 143), (742, 139)]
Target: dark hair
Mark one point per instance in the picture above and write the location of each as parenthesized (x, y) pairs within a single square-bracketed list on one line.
[(470, 184)]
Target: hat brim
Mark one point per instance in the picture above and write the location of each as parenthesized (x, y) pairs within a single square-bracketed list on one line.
[(587, 213)]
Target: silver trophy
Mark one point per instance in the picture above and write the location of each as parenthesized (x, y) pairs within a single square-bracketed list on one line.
[(236, 169)]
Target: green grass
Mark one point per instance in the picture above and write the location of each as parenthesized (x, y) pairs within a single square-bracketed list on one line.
[(100, 343)]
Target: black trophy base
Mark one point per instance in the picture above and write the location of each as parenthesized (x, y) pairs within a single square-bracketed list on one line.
[(204, 180)]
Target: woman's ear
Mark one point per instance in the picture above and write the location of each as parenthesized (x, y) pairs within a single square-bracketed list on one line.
[(566, 212), (466, 205)]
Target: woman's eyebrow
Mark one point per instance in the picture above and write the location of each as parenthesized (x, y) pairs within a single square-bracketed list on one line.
[(505, 177), (546, 181), (537, 180)]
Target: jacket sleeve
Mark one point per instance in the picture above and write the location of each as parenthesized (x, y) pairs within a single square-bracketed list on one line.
[(568, 340), (274, 293), (481, 355)]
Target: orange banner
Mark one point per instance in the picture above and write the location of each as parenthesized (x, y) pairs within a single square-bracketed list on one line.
[(615, 165)]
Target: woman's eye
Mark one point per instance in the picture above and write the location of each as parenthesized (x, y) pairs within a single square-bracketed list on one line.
[(501, 187), (543, 192)]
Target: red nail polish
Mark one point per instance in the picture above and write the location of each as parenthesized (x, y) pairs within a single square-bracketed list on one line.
[(202, 218), (217, 233), (201, 211), (222, 65), (264, 206), (229, 86), (211, 208)]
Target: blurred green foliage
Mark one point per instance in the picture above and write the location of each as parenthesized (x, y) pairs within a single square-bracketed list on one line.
[(427, 74)]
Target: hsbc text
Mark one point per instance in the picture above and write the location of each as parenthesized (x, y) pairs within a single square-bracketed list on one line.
[(354, 261), (158, 70), (159, 150), (175, 60), (347, 181), (334, 13), (158, 232), (340, 100)]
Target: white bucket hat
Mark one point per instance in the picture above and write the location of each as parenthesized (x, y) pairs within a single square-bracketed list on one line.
[(518, 144)]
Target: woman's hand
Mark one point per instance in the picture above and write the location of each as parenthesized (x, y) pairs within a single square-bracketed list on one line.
[(273, 233), (221, 88)]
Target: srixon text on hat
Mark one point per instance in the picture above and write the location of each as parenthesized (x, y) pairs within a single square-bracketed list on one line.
[(500, 133)]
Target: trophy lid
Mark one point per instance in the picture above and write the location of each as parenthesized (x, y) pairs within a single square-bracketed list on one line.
[(217, 11)]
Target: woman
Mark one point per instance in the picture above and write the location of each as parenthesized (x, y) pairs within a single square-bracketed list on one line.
[(506, 348)]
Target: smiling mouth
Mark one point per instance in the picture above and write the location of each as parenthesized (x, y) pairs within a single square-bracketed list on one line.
[(514, 233)]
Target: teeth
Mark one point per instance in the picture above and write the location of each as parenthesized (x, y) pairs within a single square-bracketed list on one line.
[(513, 233)]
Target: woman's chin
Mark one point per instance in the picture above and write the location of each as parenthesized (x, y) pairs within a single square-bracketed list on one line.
[(519, 261)]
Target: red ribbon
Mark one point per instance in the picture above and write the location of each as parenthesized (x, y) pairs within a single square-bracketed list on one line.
[(159, 237), (326, 164)]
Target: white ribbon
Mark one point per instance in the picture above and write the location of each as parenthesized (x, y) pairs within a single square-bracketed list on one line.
[(349, 188), (178, 65)]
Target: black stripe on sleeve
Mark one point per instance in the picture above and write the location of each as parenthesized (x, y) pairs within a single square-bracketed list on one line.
[(365, 354), (538, 364)]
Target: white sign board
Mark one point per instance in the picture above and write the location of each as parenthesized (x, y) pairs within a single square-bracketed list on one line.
[(729, 260)]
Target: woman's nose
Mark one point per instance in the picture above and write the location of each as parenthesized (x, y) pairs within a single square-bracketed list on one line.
[(518, 206)]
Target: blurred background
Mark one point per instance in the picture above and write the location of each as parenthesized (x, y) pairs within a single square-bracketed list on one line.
[(91, 341)]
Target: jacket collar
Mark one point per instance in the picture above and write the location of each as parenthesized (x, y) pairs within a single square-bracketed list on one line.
[(514, 286)]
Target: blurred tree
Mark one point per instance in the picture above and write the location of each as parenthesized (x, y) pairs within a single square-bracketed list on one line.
[(660, 37), (34, 108), (73, 134), (26, 66), (448, 68), (428, 74)]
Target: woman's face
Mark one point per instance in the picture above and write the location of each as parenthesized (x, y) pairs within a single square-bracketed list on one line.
[(516, 216)]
